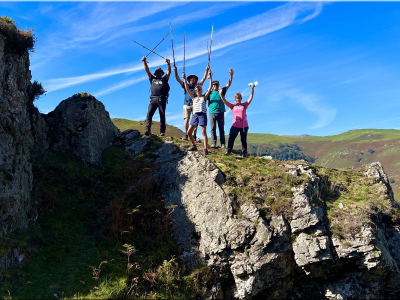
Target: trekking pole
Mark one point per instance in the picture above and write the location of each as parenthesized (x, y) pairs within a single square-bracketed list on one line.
[(212, 32), (172, 41), (184, 47), (150, 50), (158, 44), (208, 54)]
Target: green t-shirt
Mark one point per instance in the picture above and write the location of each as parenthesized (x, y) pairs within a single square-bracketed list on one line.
[(215, 104)]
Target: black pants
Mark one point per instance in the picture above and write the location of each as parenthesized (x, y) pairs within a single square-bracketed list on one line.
[(219, 119), (243, 137), (160, 103)]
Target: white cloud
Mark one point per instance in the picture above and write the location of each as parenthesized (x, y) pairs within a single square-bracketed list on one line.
[(119, 86), (259, 25), (313, 103)]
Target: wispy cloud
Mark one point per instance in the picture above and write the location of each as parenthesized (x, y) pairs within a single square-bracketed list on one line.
[(119, 86), (314, 104), (259, 25)]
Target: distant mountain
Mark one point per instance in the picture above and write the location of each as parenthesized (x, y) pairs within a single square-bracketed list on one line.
[(297, 136), (351, 149)]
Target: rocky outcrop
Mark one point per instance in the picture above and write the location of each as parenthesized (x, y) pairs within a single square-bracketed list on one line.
[(17, 142), (276, 257), (81, 125)]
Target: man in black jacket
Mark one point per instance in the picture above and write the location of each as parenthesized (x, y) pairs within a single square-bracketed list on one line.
[(159, 95)]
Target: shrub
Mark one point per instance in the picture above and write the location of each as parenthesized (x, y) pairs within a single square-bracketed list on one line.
[(35, 90), (17, 41), (8, 20)]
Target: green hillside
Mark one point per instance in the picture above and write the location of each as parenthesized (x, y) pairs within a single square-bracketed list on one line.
[(351, 149), (359, 136)]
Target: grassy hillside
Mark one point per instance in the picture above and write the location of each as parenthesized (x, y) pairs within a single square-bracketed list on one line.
[(351, 149)]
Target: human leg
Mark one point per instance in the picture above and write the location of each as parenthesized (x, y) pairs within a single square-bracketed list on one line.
[(233, 132), (213, 124), (190, 134), (205, 138), (162, 104), (150, 113), (243, 138), (221, 125)]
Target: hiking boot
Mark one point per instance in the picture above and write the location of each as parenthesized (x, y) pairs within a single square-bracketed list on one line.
[(162, 134), (205, 151), (148, 132), (213, 146), (244, 155), (198, 141), (227, 153), (223, 146), (192, 148), (185, 137)]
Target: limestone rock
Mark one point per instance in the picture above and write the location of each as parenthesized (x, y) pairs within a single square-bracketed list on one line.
[(80, 125), (16, 142)]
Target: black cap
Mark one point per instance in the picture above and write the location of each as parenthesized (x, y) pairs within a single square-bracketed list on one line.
[(215, 82)]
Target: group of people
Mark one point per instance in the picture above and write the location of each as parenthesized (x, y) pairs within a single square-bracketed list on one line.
[(195, 107)]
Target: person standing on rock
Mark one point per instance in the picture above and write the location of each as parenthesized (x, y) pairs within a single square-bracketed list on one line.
[(199, 113), (187, 101), (159, 95), (239, 123), (217, 111)]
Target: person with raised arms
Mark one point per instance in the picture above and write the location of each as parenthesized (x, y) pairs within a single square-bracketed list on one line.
[(187, 101), (199, 113), (239, 118), (217, 111), (159, 95)]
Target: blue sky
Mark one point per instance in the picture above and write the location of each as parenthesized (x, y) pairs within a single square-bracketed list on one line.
[(323, 67)]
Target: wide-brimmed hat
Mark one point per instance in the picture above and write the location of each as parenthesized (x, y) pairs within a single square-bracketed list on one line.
[(190, 76), (215, 82), (158, 69)]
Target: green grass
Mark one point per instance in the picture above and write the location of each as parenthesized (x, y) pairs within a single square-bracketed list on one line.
[(261, 182), (124, 124)]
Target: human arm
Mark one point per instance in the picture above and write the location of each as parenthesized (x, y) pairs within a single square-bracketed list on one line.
[(146, 67), (221, 94), (205, 76), (168, 68), (210, 87), (187, 87), (230, 79), (251, 96), (177, 76)]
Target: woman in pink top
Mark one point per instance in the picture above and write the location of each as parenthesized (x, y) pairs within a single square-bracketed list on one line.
[(239, 123)]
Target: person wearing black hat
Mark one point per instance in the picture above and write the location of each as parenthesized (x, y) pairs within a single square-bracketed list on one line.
[(159, 95), (216, 110), (187, 101)]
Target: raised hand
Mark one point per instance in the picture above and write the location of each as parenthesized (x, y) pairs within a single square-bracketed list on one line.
[(143, 58), (167, 60), (231, 71)]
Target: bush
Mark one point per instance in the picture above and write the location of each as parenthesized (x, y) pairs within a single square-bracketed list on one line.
[(17, 41), (35, 90), (8, 20)]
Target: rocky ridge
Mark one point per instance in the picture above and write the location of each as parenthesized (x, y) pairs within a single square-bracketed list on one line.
[(276, 257)]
